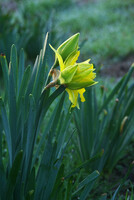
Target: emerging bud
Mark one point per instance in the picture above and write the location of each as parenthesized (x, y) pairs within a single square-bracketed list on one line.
[(67, 47)]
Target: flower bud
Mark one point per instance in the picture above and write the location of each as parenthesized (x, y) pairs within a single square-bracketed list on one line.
[(67, 47)]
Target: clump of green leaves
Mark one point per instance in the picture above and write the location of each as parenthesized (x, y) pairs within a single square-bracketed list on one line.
[(34, 139), (107, 124)]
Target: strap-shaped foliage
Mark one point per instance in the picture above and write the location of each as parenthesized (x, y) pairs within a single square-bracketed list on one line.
[(35, 137), (106, 124)]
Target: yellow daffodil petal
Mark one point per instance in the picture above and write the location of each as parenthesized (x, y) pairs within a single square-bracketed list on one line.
[(80, 75), (82, 78), (81, 91), (72, 58), (86, 61), (73, 96), (92, 75), (83, 66), (62, 66)]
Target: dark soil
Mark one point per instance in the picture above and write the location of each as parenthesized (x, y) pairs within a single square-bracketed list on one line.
[(109, 183), (117, 69)]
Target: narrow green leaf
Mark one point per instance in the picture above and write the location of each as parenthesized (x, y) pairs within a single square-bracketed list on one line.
[(31, 182), (116, 192), (40, 75), (111, 95), (12, 108), (2, 170), (32, 79), (51, 98), (30, 136), (5, 72), (30, 85), (90, 178), (59, 109), (44, 46), (14, 61), (58, 181), (1, 129), (68, 193), (38, 82), (14, 173), (127, 78), (21, 68), (51, 125), (6, 129), (85, 164), (52, 177), (44, 169), (24, 84), (2, 180), (63, 125), (84, 194)]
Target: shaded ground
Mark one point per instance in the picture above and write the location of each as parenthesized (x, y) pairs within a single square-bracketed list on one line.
[(109, 183), (117, 69)]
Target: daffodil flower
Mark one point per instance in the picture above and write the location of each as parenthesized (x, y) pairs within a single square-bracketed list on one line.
[(74, 76)]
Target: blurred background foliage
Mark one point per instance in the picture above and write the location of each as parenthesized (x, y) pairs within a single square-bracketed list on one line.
[(106, 27)]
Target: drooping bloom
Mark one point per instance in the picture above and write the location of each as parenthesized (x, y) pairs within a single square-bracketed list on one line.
[(74, 76)]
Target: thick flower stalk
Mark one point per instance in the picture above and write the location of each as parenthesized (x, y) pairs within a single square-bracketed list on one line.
[(74, 76)]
